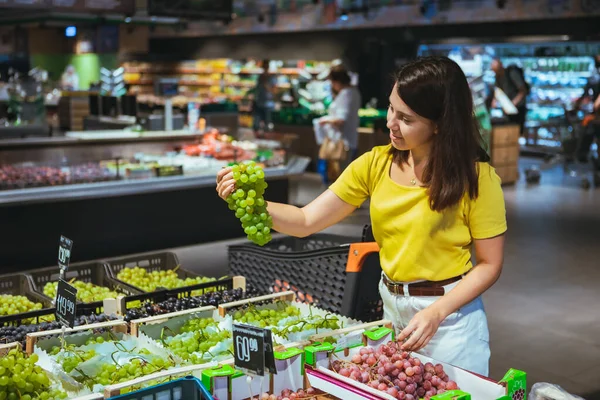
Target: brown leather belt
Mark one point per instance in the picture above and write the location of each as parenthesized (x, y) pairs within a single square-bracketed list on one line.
[(425, 288)]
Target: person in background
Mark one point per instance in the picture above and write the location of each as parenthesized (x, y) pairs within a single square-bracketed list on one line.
[(512, 82), (70, 79), (343, 111), (264, 103), (591, 95), (343, 118)]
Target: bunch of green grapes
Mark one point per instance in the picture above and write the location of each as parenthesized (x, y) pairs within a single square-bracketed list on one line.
[(71, 357), (10, 304), (329, 322), (200, 341), (21, 379), (151, 281), (248, 202), (111, 373), (198, 324), (86, 292), (266, 317)]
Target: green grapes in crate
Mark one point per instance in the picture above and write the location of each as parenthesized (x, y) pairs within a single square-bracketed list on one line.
[(86, 292), (266, 317), (21, 378), (10, 305), (248, 202), (151, 281), (199, 335)]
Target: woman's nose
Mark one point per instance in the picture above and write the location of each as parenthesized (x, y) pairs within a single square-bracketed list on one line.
[(391, 123)]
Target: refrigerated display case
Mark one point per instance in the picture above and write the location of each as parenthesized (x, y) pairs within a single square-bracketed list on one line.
[(127, 213), (556, 72)]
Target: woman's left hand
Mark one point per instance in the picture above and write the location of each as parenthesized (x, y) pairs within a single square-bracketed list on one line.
[(421, 329)]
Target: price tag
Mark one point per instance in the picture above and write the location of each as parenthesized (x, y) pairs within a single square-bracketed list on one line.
[(253, 349), (66, 304), (64, 252)]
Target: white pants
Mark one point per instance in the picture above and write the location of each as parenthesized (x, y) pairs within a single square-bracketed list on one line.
[(462, 339)]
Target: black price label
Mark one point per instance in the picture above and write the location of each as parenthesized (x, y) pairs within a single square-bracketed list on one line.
[(253, 349), (66, 304), (64, 252)]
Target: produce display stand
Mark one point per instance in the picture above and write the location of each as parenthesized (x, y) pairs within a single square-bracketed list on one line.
[(89, 272), (115, 326), (473, 386), (339, 274), (21, 285)]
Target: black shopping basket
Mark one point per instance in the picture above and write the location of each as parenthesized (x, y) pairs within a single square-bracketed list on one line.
[(336, 273)]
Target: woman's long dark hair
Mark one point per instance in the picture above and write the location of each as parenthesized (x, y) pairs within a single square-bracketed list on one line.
[(436, 88)]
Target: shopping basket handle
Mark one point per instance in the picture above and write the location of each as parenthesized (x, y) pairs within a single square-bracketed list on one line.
[(358, 253)]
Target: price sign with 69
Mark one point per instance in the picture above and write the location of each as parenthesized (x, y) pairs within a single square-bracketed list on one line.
[(245, 346), (253, 349)]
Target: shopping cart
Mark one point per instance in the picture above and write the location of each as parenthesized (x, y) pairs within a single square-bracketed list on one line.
[(574, 168), (575, 165)]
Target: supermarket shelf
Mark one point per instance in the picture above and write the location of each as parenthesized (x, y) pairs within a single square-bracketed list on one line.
[(98, 137)]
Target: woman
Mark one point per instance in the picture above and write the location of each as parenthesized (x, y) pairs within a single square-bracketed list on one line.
[(433, 195)]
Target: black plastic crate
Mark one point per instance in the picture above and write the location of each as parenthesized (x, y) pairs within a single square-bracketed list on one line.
[(316, 269), (91, 271), (188, 388), (21, 285), (162, 261)]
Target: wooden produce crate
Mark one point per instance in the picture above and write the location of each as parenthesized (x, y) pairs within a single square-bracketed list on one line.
[(32, 338), (504, 151)]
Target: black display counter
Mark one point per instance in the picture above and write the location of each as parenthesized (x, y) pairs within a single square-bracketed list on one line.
[(116, 218)]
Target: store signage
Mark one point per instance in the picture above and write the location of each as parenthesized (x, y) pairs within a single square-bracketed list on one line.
[(66, 304), (253, 349), (116, 6), (65, 245)]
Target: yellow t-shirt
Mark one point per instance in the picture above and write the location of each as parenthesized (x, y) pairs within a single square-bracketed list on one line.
[(415, 242)]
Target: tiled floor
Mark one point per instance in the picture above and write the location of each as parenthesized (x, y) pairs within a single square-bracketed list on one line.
[(544, 312)]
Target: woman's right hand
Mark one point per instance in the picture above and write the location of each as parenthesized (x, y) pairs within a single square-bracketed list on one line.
[(225, 183)]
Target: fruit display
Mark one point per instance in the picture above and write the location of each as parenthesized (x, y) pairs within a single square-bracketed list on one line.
[(19, 177), (10, 304), (86, 292), (173, 304), (248, 203), (150, 281), (389, 369), (219, 147), (19, 333), (21, 378)]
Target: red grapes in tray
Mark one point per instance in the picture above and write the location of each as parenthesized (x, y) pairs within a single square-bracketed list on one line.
[(396, 372)]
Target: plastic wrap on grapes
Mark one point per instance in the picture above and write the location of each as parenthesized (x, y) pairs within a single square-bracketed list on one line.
[(547, 391)]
